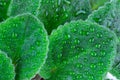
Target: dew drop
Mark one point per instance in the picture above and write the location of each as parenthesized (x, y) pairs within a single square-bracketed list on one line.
[(90, 77), (80, 65), (91, 40), (93, 54), (77, 41), (60, 55), (14, 35), (103, 53), (92, 65), (92, 29), (37, 42), (100, 64), (97, 45), (99, 35)]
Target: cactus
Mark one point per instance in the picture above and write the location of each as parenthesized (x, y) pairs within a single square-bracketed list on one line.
[(56, 12), (6, 67), (78, 51), (95, 4), (23, 6), (25, 41), (52, 12), (109, 16)]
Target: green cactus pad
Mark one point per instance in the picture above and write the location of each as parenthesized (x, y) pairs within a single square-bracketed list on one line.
[(56, 12), (109, 16), (95, 4), (7, 70), (22, 6), (24, 39), (3, 9), (79, 51)]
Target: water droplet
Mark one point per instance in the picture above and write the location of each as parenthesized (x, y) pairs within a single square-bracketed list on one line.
[(103, 53), (80, 65), (100, 64), (77, 41), (82, 32), (91, 40), (92, 29), (60, 55), (90, 77), (37, 42), (93, 54), (77, 24), (14, 35), (99, 35), (97, 45), (92, 65), (72, 47), (74, 30), (32, 48)]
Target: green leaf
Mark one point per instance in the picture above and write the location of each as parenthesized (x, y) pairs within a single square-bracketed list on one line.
[(6, 67), (3, 9), (22, 6), (79, 51), (56, 12), (95, 4), (24, 39), (109, 16)]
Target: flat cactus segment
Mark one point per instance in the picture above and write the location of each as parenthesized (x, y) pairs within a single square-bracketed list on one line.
[(95, 4), (109, 16), (56, 12), (7, 70), (22, 6), (25, 41), (78, 51), (3, 9)]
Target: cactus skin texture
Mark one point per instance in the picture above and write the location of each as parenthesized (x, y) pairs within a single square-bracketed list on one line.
[(109, 16), (79, 51), (25, 41), (7, 70), (22, 6), (3, 9), (56, 12), (95, 4), (52, 12)]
